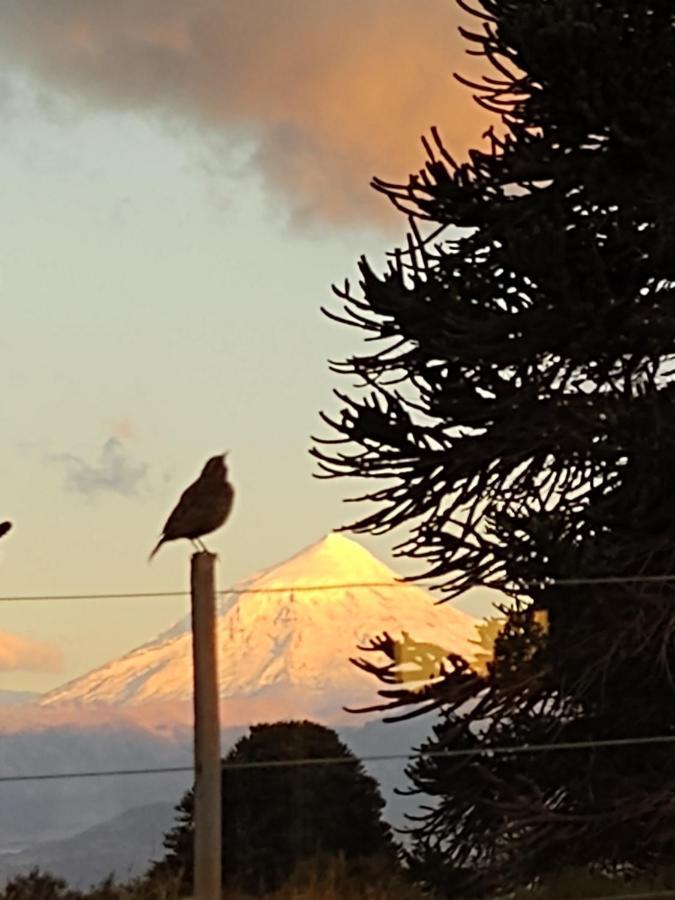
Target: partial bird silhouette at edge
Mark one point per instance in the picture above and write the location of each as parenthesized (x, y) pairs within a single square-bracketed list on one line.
[(4, 528), (203, 507)]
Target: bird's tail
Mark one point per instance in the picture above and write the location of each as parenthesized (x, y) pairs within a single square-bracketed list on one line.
[(158, 545)]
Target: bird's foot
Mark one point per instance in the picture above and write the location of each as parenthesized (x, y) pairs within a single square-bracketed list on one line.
[(202, 548)]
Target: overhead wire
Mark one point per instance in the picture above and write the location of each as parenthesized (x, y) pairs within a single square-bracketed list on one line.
[(258, 764), (234, 590), (346, 585), (473, 752), (459, 753), (467, 753)]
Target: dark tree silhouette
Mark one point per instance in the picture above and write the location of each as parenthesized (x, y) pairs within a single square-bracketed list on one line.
[(277, 817), (519, 415)]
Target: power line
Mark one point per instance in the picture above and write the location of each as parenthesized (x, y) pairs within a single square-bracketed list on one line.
[(316, 761), (347, 585), (237, 591), (20, 598), (466, 753), (119, 596), (102, 773), (609, 579)]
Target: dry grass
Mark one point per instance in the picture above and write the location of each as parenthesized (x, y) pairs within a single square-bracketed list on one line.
[(332, 880), (329, 880)]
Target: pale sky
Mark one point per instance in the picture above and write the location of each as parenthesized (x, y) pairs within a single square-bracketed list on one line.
[(180, 186)]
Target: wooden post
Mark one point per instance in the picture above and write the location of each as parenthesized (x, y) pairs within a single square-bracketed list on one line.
[(207, 805)]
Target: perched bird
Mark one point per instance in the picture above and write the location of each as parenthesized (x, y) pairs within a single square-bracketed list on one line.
[(4, 528), (202, 508)]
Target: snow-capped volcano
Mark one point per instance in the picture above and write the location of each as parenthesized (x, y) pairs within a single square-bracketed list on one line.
[(285, 636)]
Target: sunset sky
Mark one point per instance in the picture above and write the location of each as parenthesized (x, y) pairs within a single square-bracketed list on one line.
[(181, 184)]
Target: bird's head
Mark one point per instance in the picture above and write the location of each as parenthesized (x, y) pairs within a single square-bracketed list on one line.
[(215, 467)]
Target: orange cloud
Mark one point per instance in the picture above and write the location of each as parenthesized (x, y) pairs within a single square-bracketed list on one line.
[(123, 429), (330, 92), (23, 654)]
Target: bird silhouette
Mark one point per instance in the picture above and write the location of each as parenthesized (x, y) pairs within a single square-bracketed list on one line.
[(203, 507), (4, 528)]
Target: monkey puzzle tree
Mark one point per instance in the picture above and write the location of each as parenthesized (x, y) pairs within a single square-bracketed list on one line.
[(519, 413), (278, 816)]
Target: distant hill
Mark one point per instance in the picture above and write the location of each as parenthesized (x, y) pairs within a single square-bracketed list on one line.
[(121, 846), (84, 829), (33, 812)]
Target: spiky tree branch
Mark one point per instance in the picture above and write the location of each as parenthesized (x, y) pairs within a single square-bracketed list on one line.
[(517, 419)]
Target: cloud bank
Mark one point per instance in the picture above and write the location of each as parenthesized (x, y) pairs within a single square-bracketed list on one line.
[(22, 654), (330, 92), (115, 472)]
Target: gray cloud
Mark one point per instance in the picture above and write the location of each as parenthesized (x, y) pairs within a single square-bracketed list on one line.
[(115, 471), (330, 92)]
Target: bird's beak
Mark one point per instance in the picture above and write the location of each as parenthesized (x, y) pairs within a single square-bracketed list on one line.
[(225, 455)]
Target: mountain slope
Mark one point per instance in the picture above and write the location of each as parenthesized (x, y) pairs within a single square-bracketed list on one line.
[(123, 847), (284, 637)]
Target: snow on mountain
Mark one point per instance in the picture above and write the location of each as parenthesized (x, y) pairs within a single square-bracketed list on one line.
[(285, 636)]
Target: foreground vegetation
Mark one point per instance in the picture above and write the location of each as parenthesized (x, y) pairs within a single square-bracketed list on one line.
[(329, 880), (333, 880), (511, 409)]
